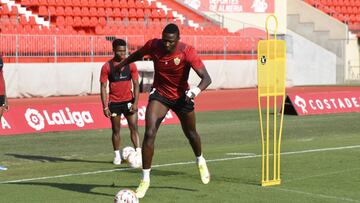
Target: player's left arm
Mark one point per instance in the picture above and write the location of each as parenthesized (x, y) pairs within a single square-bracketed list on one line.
[(136, 88), (200, 69), (204, 83)]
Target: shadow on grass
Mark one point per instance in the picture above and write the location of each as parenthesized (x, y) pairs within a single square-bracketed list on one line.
[(74, 187), (88, 188), (42, 158)]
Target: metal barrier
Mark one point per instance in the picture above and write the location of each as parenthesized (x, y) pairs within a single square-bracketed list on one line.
[(83, 46)]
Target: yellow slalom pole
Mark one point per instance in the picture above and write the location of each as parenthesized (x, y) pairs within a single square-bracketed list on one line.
[(271, 84)]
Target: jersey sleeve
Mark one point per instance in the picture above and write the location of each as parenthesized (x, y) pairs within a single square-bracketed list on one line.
[(134, 71), (104, 73), (193, 59)]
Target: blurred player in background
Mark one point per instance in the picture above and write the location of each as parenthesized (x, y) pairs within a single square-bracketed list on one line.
[(121, 99), (172, 63), (3, 99)]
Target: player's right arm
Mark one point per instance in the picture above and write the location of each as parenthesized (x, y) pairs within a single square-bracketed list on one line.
[(137, 55), (103, 84)]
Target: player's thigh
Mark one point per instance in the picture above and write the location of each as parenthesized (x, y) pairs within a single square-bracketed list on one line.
[(115, 123), (155, 113), (187, 120)]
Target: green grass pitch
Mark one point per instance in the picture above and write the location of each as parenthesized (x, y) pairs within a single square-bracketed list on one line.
[(320, 163)]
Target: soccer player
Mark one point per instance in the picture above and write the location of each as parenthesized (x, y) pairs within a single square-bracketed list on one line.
[(121, 99), (170, 90), (3, 98)]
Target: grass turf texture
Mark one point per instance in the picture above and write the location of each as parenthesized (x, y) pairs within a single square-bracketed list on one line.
[(58, 163)]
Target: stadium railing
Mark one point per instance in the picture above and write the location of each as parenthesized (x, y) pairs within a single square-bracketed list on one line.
[(84, 48)]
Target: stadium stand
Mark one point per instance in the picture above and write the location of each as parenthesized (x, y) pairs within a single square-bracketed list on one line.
[(346, 11), (93, 19)]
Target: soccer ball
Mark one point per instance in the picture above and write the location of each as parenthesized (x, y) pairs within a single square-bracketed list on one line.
[(135, 160), (126, 196), (126, 152)]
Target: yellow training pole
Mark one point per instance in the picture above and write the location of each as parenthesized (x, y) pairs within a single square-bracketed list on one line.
[(271, 84)]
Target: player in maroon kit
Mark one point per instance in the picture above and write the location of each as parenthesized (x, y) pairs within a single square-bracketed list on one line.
[(121, 99), (172, 63), (3, 99)]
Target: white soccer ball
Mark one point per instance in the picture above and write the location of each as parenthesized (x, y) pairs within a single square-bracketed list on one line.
[(126, 152), (135, 160), (126, 196)]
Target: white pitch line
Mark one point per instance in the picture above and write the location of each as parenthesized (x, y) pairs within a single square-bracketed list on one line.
[(176, 164), (318, 195)]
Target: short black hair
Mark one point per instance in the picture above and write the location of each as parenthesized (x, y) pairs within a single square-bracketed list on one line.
[(118, 42), (172, 29)]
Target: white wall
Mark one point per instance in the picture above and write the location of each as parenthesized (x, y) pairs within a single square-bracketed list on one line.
[(309, 63), (306, 65)]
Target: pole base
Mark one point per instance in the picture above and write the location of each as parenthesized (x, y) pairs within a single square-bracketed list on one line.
[(265, 183)]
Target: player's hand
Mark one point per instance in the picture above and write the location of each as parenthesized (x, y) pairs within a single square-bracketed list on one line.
[(134, 108), (107, 112), (5, 107), (192, 93)]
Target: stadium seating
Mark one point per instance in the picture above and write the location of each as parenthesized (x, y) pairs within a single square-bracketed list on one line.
[(109, 17), (346, 11)]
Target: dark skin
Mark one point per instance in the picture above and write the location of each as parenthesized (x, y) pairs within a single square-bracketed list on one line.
[(132, 118), (156, 111), (5, 107)]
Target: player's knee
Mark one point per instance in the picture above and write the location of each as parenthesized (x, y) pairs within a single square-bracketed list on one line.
[(150, 134)]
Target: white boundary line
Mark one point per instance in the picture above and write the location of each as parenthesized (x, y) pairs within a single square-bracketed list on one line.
[(317, 195), (176, 164)]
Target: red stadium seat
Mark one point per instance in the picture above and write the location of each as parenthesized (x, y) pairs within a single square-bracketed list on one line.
[(77, 21), (68, 2), (101, 12), (116, 12), (60, 11), (84, 3), (76, 11), (124, 4), (102, 21), (93, 21), (85, 11), (60, 20), (43, 11), (85, 21), (108, 4), (116, 3), (32, 20), (43, 2), (69, 20), (93, 11), (76, 3), (68, 11), (100, 3), (109, 12)]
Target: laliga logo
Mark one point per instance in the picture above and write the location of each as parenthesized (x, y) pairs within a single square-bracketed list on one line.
[(34, 119), (300, 102), (37, 120)]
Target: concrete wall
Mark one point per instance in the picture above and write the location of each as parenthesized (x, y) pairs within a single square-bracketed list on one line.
[(307, 64)]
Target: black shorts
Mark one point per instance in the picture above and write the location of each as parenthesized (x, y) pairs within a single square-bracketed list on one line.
[(119, 108), (2, 100), (178, 105)]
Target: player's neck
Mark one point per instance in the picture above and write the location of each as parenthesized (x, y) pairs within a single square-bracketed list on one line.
[(116, 59)]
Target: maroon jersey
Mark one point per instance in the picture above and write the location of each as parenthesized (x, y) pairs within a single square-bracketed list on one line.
[(2, 82), (119, 83), (172, 70)]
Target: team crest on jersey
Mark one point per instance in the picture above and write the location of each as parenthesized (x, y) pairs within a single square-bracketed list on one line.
[(177, 61)]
